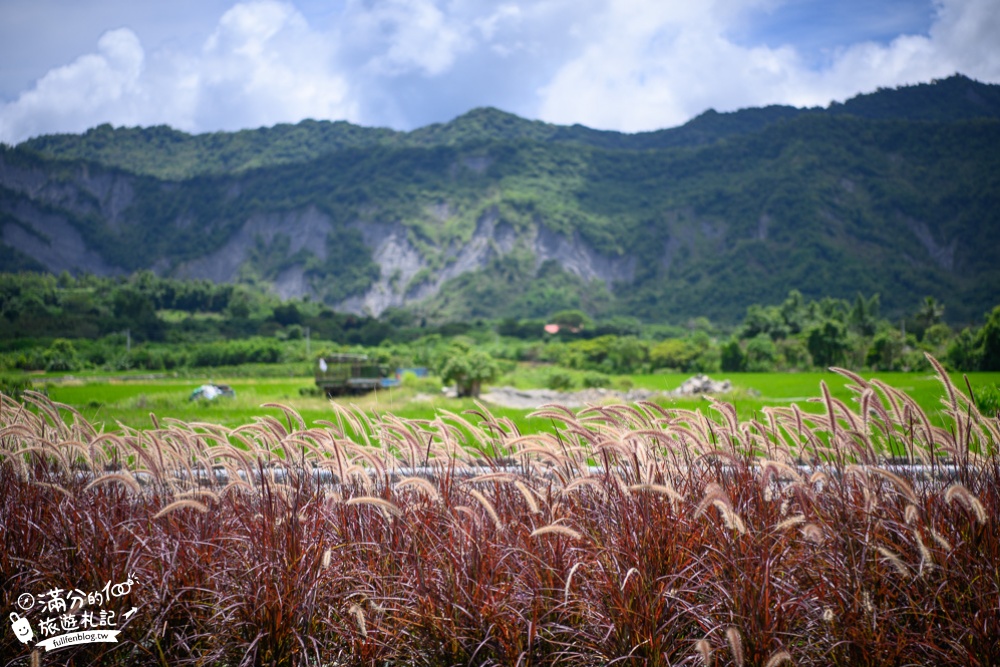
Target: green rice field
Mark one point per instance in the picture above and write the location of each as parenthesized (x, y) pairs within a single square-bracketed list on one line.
[(130, 399)]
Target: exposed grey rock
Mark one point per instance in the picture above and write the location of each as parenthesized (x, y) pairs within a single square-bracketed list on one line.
[(702, 384)]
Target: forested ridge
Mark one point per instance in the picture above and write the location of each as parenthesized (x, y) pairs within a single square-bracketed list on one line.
[(493, 216)]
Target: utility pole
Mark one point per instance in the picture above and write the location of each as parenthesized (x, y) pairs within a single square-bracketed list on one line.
[(308, 354), (128, 341)]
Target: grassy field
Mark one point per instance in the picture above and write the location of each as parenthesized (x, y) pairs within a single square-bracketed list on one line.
[(634, 537), (129, 399)]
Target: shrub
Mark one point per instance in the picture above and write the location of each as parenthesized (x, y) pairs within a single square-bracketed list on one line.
[(593, 380), (560, 381)]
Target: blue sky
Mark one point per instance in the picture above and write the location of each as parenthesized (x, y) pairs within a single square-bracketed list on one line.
[(207, 65)]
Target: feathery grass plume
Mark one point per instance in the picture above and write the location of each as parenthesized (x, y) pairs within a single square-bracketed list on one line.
[(55, 487), (779, 469), (359, 617), (779, 658), (894, 560), (181, 504), (911, 514), (735, 644), (730, 518), (967, 499), (813, 533), (789, 522), (422, 484), (901, 484), (327, 557), (661, 489), (828, 616), (941, 541), (853, 377), (557, 529), (592, 482), (569, 580), (528, 496), (830, 411), (381, 503), (488, 506), (194, 493), (234, 484), (945, 380), (715, 496), (628, 575), (705, 650), (291, 414), (108, 478), (493, 477), (926, 557)]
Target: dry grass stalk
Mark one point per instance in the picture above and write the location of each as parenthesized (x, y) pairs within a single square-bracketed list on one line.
[(569, 580), (789, 522), (735, 645), (127, 480), (660, 489), (556, 529), (422, 484), (779, 658), (528, 496), (488, 506), (813, 533), (380, 503), (359, 617), (967, 499), (894, 560), (901, 484), (705, 650), (181, 504)]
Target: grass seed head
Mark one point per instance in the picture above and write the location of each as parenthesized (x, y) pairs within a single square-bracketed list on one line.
[(359, 617), (381, 503), (705, 650), (894, 560), (556, 529), (185, 503), (735, 645), (967, 499), (779, 658)]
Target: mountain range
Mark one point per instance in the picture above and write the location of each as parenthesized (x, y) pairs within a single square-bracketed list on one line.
[(896, 192)]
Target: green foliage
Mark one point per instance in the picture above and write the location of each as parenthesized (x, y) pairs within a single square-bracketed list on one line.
[(468, 369), (988, 343), (703, 220), (827, 343), (14, 385), (731, 357), (560, 381), (988, 400), (592, 380), (673, 353), (761, 354), (886, 351), (962, 351)]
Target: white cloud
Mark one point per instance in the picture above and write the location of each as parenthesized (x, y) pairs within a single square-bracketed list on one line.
[(650, 66), (617, 64), (72, 97), (262, 65), (410, 35)]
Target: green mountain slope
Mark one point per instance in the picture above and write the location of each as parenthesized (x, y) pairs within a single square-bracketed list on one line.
[(491, 215)]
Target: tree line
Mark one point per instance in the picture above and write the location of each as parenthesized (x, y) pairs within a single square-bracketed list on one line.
[(143, 321)]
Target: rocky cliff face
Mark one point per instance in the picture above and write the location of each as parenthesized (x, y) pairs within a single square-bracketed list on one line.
[(44, 213)]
